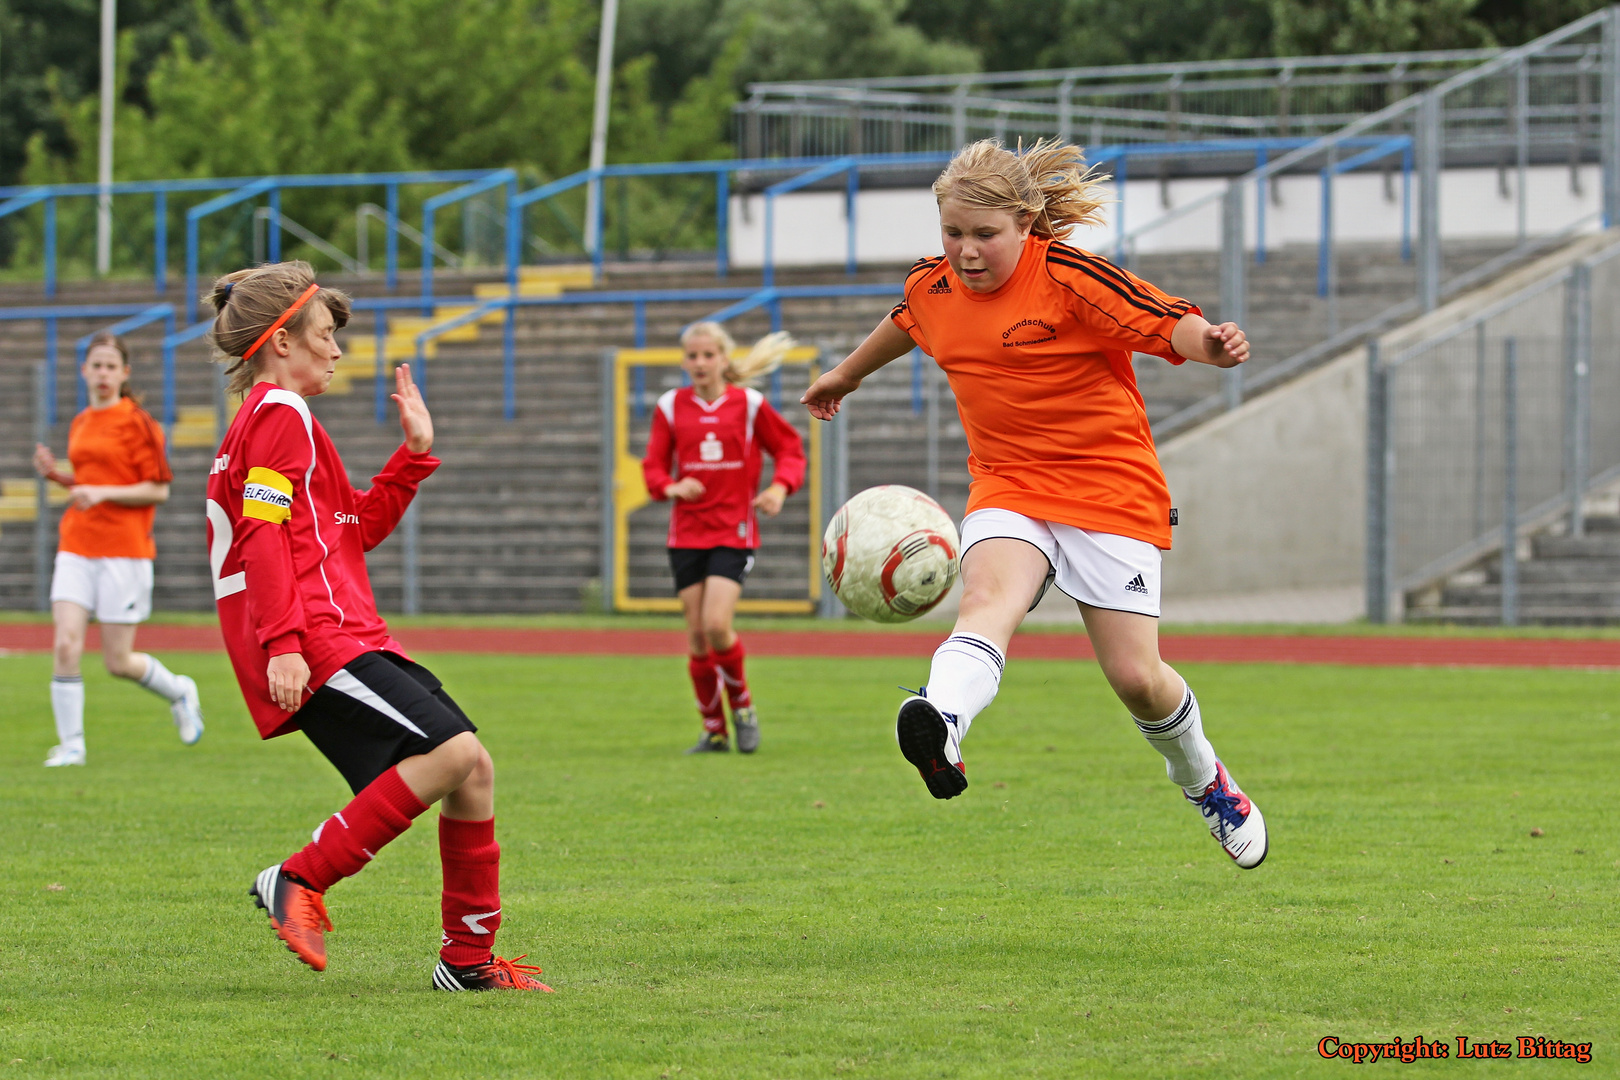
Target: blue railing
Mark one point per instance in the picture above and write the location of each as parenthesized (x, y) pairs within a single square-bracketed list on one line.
[(235, 189), (232, 191), (53, 315), (746, 299), (1395, 144)]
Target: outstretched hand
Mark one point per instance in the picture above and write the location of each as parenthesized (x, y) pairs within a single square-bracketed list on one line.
[(1225, 345), (413, 412), (828, 392)]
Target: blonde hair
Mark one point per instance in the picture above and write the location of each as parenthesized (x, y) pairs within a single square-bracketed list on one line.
[(1049, 183), (248, 302), (765, 357)]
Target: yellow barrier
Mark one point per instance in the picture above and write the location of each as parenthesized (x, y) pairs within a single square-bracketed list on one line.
[(630, 492)]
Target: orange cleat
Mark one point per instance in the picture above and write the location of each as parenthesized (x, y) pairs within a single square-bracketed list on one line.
[(498, 974), (297, 914)]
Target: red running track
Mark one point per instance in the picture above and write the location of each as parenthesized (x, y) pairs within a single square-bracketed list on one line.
[(1190, 648)]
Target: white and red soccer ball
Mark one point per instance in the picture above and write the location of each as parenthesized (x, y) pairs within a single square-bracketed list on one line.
[(890, 553)]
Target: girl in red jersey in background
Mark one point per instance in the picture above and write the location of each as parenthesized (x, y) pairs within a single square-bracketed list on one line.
[(704, 454), (287, 543), (104, 558), (1036, 338)]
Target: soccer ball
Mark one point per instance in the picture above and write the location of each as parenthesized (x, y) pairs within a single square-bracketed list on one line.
[(890, 553)]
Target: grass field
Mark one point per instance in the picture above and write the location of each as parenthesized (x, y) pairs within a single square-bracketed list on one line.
[(810, 912)]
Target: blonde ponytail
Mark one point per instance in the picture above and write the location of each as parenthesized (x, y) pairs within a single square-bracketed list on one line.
[(765, 357), (1049, 185)]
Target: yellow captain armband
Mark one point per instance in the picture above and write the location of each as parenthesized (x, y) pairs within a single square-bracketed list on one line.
[(267, 496)]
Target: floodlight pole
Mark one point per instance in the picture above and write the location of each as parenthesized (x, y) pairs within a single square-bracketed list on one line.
[(109, 44), (599, 122)]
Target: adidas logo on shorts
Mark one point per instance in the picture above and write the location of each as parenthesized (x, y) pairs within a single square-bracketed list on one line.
[(940, 286), (1136, 585)]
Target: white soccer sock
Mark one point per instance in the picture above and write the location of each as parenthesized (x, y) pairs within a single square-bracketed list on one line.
[(67, 705), (1189, 759), (161, 681), (965, 676)]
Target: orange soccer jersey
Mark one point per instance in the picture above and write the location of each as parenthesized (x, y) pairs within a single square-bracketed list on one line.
[(1041, 370), (117, 445)]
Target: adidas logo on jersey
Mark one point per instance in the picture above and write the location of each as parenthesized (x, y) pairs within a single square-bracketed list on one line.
[(1136, 585), (940, 286)]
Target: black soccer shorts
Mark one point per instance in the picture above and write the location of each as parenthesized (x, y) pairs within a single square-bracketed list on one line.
[(692, 565), (376, 711)]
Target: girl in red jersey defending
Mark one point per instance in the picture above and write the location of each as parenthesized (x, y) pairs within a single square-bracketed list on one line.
[(287, 537), (704, 453), (1036, 338), (118, 474)]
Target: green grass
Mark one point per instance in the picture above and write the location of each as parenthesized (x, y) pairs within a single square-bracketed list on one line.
[(809, 912)]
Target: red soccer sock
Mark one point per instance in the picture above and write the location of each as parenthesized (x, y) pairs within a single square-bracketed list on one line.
[(350, 838), (706, 685), (730, 666), (472, 890)]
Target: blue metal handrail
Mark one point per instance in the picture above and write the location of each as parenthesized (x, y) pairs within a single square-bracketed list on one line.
[(50, 316), (506, 178), (24, 201), (1395, 144), (747, 299), (20, 197)]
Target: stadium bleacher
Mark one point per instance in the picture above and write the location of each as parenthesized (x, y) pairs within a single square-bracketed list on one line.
[(512, 521)]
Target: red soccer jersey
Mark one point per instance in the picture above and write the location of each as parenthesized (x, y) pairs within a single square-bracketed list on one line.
[(287, 537), (719, 442)]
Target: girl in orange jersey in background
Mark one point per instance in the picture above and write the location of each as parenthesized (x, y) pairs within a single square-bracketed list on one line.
[(1036, 338), (118, 474)]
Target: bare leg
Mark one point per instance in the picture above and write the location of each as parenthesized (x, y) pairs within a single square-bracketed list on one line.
[(445, 770), (719, 603), (118, 651), (71, 622), (1000, 577), (1127, 647), (692, 612)]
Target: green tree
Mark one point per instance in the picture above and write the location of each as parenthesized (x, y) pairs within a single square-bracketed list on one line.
[(783, 40), (1017, 35)]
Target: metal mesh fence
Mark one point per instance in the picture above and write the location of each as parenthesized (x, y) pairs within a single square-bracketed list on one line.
[(1495, 428)]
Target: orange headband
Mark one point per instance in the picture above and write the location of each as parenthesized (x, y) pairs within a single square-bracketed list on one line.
[(279, 323)]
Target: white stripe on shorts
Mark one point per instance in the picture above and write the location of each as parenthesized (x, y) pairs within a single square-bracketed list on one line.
[(344, 682)]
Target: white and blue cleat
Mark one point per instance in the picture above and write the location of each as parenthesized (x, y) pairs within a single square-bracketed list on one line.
[(187, 711), (1233, 820)]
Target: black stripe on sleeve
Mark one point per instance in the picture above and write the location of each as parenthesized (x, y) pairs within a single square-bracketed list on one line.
[(1102, 265), (1148, 303)]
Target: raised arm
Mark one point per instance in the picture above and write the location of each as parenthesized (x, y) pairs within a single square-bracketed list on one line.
[(380, 508), (887, 342)]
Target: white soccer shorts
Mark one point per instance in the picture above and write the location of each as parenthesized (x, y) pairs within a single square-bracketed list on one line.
[(1100, 569), (114, 590)]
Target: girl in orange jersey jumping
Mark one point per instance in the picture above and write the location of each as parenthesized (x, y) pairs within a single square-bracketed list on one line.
[(1036, 338), (118, 474)]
